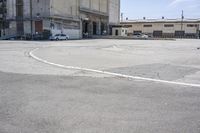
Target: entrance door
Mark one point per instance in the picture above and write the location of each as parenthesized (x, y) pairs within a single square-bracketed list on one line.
[(116, 32), (85, 25), (39, 26), (94, 28), (102, 28)]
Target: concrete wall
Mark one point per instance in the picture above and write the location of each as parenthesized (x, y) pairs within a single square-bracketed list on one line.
[(64, 8), (104, 6), (95, 5), (41, 8), (85, 4), (11, 9), (26, 9), (114, 11)]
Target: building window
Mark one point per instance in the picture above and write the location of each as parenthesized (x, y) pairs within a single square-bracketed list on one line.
[(168, 25), (137, 32), (147, 25), (191, 25)]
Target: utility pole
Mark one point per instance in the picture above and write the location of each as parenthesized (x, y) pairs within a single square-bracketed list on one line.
[(182, 17), (122, 17), (31, 18)]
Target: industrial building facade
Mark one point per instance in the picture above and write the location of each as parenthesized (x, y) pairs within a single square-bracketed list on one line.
[(73, 17), (169, 28), (3, 12)]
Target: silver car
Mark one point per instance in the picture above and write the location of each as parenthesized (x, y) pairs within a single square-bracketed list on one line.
[(59, 37), (140, 36)]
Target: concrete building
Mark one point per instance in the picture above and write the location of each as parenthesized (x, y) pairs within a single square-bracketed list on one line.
[(3, 24), (119, 30), (73, 17), (169, 28)]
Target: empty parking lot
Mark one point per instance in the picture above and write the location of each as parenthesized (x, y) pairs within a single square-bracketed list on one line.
[(103, 86)]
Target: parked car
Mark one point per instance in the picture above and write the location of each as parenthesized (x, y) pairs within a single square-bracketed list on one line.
[(59, 37), (140, 36), (37, 37)]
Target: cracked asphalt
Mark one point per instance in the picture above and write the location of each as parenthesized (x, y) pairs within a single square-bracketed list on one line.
[(41, 98)]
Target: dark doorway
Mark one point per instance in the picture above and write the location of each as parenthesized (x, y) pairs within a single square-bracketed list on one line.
[(94, 28), (157, 33), (85, 26), (116, 32), (179, 34), (102, 28), (110, 30), (39, 26)]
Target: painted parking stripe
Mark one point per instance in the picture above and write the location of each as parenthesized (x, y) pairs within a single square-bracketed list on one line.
[(110, 73)]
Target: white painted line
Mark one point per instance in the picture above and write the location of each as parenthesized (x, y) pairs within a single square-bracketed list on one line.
[(110, 73)]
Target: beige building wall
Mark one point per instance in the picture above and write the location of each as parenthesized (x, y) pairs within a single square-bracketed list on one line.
[(104, 6), (120, 30), (135, 27), (160, 27)]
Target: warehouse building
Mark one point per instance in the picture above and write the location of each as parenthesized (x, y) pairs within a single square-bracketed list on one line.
[(75, 18), (169, 28)]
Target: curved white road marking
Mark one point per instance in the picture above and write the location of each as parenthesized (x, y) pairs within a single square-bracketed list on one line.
[(110, 73)]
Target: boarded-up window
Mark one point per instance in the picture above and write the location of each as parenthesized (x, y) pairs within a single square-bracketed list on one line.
[(137, 32), (147, 25), (168, 25), (191, 25)]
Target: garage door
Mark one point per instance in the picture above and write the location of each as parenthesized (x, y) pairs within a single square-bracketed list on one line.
[(157, 33), (179, 34)]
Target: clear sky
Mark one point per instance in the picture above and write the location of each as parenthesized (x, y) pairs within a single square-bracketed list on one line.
[(137, 9)]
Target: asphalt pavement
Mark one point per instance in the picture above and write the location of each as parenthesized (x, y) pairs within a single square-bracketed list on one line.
[(37, 97)]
